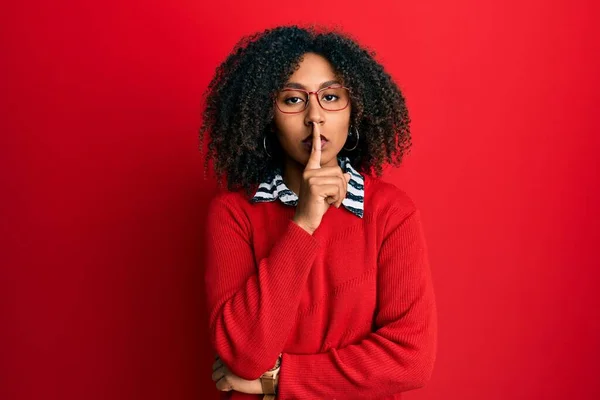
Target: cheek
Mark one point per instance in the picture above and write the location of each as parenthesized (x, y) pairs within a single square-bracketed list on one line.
[(280, 123), (342, 124), (287, 128)]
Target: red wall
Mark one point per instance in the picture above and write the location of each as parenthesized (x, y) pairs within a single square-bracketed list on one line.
[(103, 201)]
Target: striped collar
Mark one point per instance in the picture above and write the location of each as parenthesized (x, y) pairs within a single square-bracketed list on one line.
[(274, 188)]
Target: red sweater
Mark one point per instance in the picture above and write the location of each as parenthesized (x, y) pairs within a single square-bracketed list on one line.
[(351, 307)]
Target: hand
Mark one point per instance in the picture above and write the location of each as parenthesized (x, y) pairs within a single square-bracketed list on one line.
[(320, 187), (227, 381)]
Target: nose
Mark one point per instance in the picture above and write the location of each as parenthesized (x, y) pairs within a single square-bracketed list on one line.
[(314, 111)]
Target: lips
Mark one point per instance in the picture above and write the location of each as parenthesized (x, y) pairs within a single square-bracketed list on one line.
[(309, 139), (308, 144)]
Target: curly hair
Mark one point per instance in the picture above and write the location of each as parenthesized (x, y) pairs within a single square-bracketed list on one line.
[(239, 103)]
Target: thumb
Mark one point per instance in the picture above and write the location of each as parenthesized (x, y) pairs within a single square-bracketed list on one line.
[(347, 176)]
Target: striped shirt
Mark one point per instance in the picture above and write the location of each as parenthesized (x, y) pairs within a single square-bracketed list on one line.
[(274, 188)]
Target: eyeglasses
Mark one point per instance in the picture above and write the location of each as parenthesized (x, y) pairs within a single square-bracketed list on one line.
[(330, 98)]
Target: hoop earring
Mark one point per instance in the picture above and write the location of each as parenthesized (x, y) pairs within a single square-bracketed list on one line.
[(357, 138), (265, 145)]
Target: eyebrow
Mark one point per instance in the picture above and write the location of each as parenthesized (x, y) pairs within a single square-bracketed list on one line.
[(296, 85)]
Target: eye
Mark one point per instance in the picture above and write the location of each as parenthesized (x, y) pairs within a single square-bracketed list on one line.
[(330, 97), (293, 100)]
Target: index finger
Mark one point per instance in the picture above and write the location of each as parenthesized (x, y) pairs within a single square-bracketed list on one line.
[(314, 161)]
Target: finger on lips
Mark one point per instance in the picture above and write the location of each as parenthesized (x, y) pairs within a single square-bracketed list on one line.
[(314, 161)]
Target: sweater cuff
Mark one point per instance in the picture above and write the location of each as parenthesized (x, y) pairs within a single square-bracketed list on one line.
[(294, 247)]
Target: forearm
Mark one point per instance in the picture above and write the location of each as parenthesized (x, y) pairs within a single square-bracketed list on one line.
[(399, 354), (250, 329), (374, 368), (250, 319)]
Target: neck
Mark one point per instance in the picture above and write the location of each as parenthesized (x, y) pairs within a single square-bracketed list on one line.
[(292, 172)]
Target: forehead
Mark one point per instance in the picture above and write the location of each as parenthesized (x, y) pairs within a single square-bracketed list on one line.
[(313, 70)]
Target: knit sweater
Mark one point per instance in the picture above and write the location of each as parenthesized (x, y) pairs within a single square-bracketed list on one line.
[(351, 307)]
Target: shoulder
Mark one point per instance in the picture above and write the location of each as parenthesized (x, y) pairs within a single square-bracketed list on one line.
[(385, 197), (226, 196), (225, 201), (391, 208)]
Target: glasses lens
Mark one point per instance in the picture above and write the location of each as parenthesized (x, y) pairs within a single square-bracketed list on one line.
[(291, 101), (334, 99)]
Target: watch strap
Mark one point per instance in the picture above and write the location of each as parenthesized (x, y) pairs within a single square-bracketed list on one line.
[(268, 384), (268, 380)]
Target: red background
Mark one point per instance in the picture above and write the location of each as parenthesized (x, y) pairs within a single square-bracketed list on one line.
[(103, 200)]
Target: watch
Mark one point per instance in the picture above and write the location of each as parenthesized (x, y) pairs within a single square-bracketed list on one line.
[(268, 380)]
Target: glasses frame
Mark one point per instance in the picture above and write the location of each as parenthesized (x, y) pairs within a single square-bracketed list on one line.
[(308, 93)]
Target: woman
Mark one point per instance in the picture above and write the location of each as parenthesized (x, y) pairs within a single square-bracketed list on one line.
[(317, 278)]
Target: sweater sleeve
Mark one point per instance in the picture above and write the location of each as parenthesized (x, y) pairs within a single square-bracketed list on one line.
[(400, 353), (252, 306)]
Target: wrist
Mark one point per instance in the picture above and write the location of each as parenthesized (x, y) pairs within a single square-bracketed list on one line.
[(303, 226), (270, 379)]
